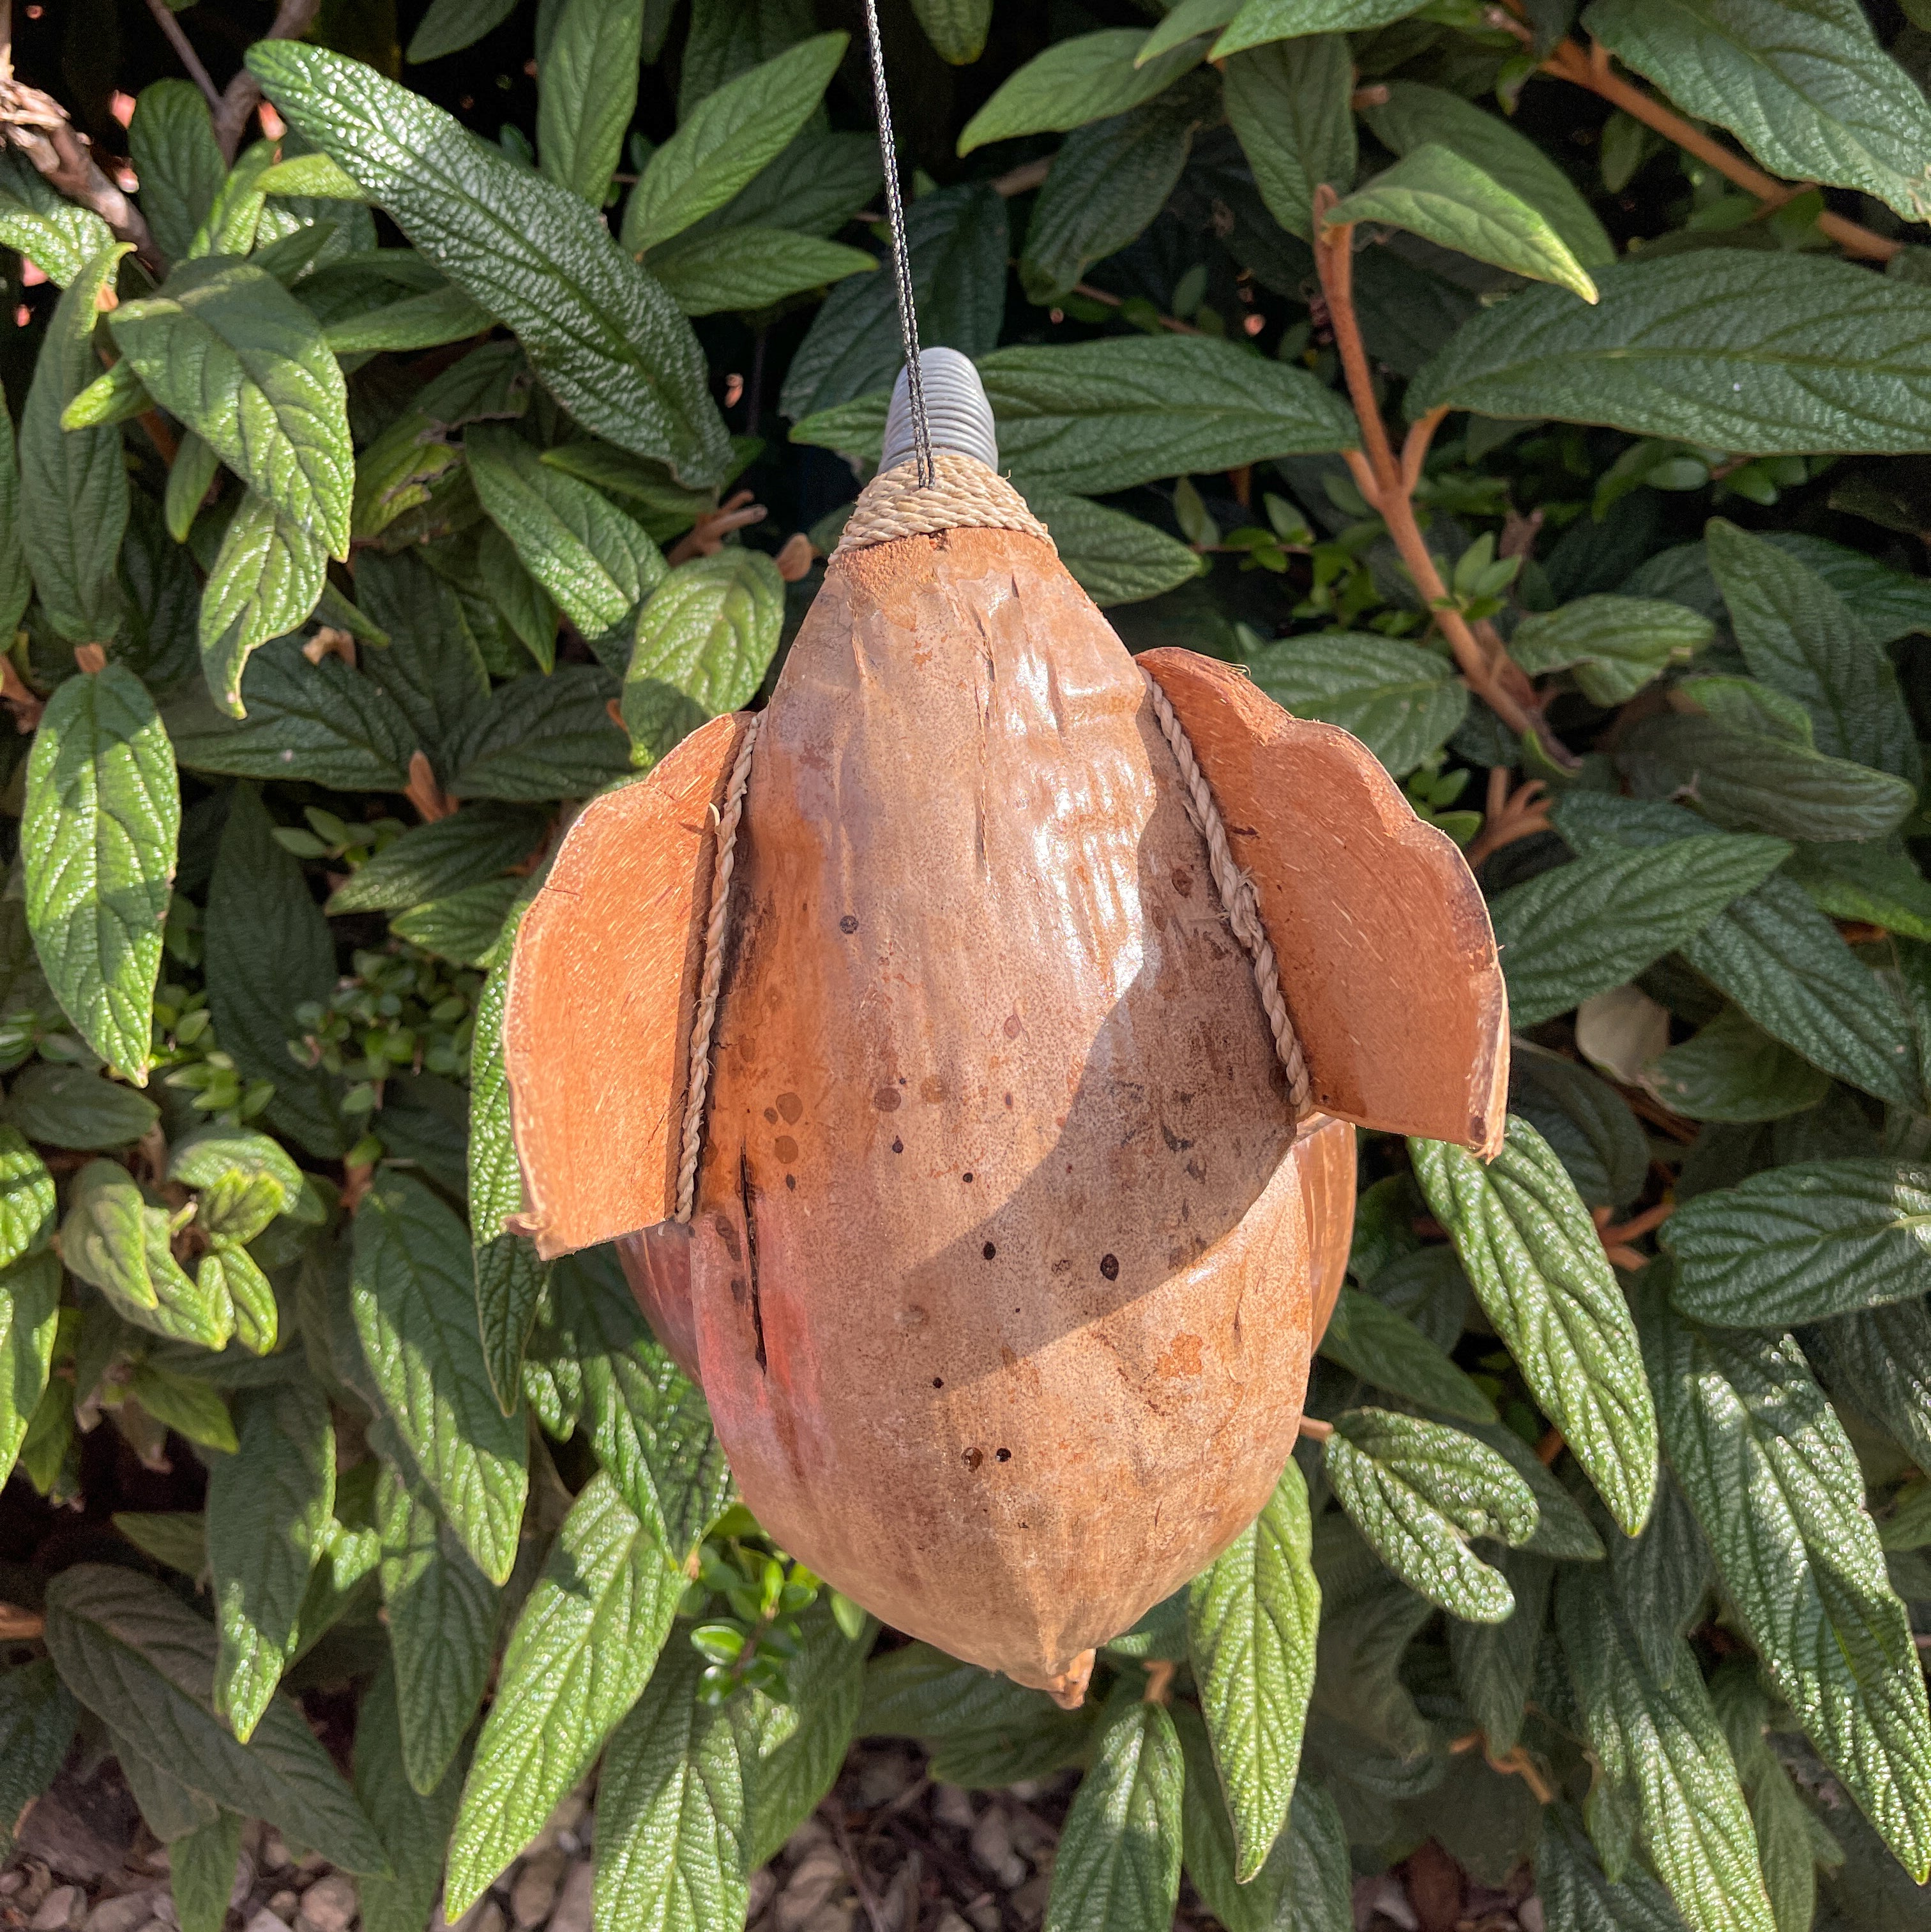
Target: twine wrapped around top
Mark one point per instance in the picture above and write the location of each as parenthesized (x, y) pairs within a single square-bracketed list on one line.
[(964, 495)]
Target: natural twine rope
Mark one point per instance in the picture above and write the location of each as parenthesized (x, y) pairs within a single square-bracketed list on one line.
[(964, 494), (705, 1020), (1238, 896)]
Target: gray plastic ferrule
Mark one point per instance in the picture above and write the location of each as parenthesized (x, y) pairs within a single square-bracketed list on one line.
[(956, 412)]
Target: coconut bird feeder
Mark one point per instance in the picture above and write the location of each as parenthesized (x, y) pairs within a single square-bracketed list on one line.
[(965, 1053)]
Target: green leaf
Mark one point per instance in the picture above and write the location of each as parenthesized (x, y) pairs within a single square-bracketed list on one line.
[(57, 236), (579, 1659), (1775, 1484), (424, 321), (1118, 1862), (432, 861), (1854, 882), (1580, 929), (1538, 1268), (321, 721), (202, 1867), (1733, 1070), (1495, 1663), (464, 927), (450, 25), (1797, 634), (1287, 103), (1115, 558), (608, 342), (112, 397), (194, 469), (98, 838), (17, 581), (1403, 702), (594, 560), (1370, 1339), (586, 93), (73, 484), (1578, 1896), (673, 1809), (1109, 182), (802, 1744), (70, 1107), (1563, 1530), (415, 1311), (266, 580), (1802, 83), (1717, 346), (1802, 1243), (228, 350), (269, 949), (705, 641), (957, 28), (813, 187), (171, 141), (1659, 1737), (1412, 114), (234, 218), (432, 668), (138, 1657), (1418, 1491), (1433, 192), (509, 1278), (750, 268), (442, 1614), (190, 1407), (271, 1514), (29, 1315), (414, 1826), (727, 141), (1086, 78), (116, 1238), (1877, 1364), (1251, 1620), (1260, 21), (37, 1714), (1586, 1122), (540, 738), (1616, 644)]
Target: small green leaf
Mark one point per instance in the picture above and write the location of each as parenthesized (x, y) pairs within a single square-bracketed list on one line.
[(190, 1407), (957, 28), (1616, 645), (70, 1107), (1538, 1268), (1433, 193), (450, 25), (431, 861), (1084, 78), (1251, 1619), (1733, 1070), (579, 1659), (802, 1744), (202, 1865), (116, 1238), (423, 321), (266, 580), (29, 1315)]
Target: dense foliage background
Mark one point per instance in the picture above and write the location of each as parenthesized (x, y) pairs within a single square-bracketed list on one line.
[(1545, 400)]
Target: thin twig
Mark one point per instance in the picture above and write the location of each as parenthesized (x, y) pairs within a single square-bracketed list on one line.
[(1111, 300), (1027, 175), (37, 125), (183, 48), (243, 94), (1315, 1429)]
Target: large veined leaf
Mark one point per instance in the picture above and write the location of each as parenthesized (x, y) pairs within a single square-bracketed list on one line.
[(802, 1744), (171, 141), (1579, 1896), (450, 25), (1373, 1341), (442, 1613), (1580, 929), (1086, 78), (414, 1828), (73, 484), (1771, 1475), (1538, 1268), (1495, 1663), (1418, 1491), (1412, 114), (138, 1657), (1657, 1736), (540, 738), (1798, 636), (1115, 558), (729, 139), (271, 1514), (586, 93), (750, 267), (228, 350), (1733, 1070), (415, 1311), (1403, 702), (1803, 1243), (579, 1659), (1118, 1863), (1802, 83), (1252, 1617), (603, 336), (1716, 347), (594, 560), (98, 837), (59, 237), (957, 28), (267, 580), (1259, 21), (1435, 193), (1287, 103), (29, 1315), (1616, 645), (673, 1809), (704, 640)]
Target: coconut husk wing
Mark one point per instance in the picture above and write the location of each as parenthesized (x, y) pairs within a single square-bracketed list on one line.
[(1387, 961), (1326, 1150), (596, 1027)]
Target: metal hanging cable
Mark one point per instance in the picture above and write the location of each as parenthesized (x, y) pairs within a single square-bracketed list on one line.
[(895, 220)]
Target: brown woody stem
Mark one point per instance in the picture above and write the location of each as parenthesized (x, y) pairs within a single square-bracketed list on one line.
[(37, 125), (243, 94), (183, 48), (1387, 483)]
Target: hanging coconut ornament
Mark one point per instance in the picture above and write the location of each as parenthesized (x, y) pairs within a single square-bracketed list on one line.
[(965, 1052)]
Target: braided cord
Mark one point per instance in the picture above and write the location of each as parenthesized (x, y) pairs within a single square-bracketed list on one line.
[(1238, 896), (895, 221), (705, 1022)]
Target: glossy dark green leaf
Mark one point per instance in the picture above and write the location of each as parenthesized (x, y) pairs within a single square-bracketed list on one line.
[(1115, 558), (586, 93), (1372, 1340), (602, 335), (171, 139), (540, 738), (1287, 103), (1733, 1070), (1075, 81), (955, 28), (17, 581), (1403, 702), (29, 1316)]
